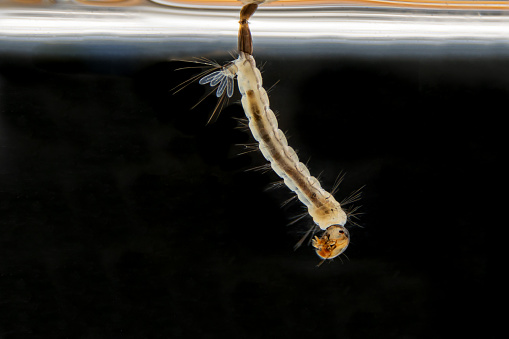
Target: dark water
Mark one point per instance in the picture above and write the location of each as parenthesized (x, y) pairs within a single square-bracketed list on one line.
[(124, 216)]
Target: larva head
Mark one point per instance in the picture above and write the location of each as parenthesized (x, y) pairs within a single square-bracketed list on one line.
[(332, 243)]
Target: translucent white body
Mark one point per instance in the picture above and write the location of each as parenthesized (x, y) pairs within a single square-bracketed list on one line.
[(322, 206)]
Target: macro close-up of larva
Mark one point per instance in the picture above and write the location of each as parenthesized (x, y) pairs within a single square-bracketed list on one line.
[(249, 169), (326, 212)]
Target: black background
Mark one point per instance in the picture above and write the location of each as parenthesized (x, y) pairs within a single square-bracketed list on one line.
[(124, 216)]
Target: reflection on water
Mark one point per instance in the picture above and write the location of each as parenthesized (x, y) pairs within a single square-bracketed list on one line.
[(285, 4), (185, 28), (292, 4)]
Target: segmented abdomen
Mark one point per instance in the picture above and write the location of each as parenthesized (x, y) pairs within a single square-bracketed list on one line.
[(322, 206)]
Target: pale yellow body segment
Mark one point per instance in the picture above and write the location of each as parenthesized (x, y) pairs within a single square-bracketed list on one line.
[(322, 206)]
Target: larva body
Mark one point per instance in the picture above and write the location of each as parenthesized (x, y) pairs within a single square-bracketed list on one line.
[(322, 206)]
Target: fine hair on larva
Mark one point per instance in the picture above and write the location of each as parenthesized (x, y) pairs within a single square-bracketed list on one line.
[(326, 212)]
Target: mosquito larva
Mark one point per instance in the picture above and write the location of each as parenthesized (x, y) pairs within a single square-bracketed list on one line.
[(321, 205)]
